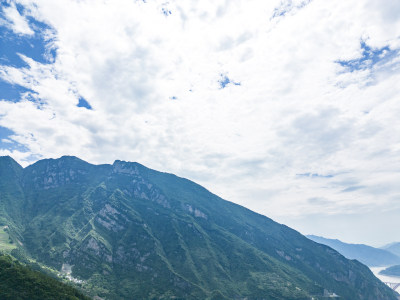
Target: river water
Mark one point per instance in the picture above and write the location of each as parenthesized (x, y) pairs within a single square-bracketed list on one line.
[(385, 278)]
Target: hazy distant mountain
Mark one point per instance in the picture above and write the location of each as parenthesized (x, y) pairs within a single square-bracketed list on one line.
[(368, 255), (393, 248), (391, 271), (134, 233)]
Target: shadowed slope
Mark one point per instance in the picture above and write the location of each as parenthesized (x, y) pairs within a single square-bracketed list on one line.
[(20, 282)]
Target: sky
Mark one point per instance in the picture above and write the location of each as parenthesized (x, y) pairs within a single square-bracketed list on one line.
[(287, 107)]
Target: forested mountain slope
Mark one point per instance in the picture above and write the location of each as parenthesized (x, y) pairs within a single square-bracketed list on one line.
[(132, 232), (19, 282)]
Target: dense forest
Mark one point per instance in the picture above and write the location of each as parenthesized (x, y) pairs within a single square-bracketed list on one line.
[(20, 282)]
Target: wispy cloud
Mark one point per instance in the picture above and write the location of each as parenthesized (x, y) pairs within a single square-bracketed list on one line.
[(286, 7), (14, 18)]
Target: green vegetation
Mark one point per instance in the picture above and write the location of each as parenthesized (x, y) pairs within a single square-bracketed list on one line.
[(130, 232), (6, 244), (20, 282)]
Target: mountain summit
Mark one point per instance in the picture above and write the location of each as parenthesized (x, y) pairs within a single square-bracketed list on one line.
[(130, 232)]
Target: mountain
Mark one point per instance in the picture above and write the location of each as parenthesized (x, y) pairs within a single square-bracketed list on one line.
[(368, 255), (20, 282), (129, 232), (393, 248), (391, 271)]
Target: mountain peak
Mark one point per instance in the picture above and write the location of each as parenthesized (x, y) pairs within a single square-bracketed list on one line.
[(7, 162), (126, 167), (393, 248), (124, 162), (61, 161), (69, 157), (7, 158)]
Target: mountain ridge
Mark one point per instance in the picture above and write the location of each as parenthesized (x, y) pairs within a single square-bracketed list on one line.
[(391, 271), (393, 248), (127, 230), (373, 257)]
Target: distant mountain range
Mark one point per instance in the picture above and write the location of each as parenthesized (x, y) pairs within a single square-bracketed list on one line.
[(393, 248), (391, 271), (129, 232), (368, 255)]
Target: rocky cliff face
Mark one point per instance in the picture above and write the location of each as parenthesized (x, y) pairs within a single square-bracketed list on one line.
[(131, 232)]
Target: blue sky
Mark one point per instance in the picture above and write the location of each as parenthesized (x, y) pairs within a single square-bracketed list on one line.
[(288, 107), (369, 58)]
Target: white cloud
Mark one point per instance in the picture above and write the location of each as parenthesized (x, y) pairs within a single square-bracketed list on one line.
[(15, 21), (295, 111)]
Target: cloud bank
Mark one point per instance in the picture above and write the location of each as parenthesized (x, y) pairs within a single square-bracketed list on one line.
[(289, 108)]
